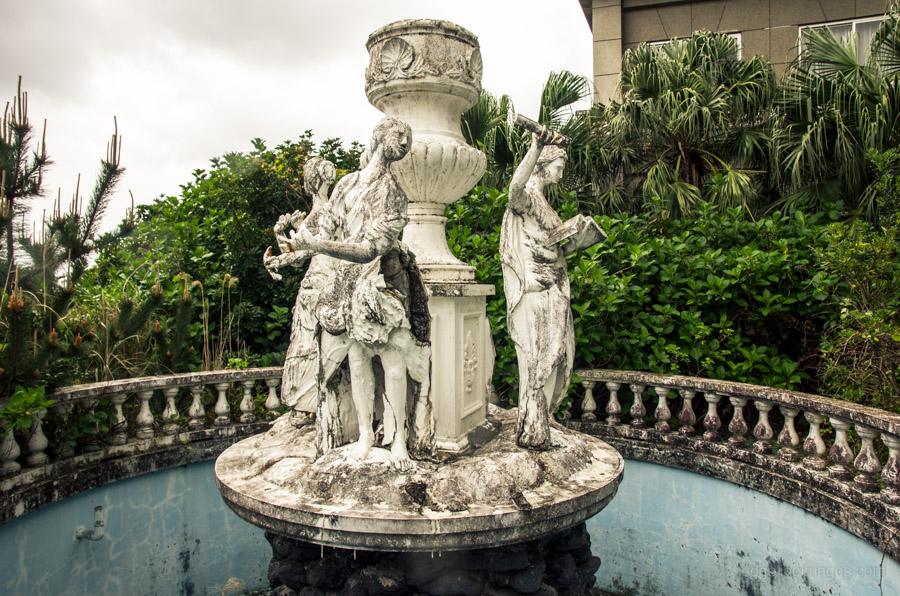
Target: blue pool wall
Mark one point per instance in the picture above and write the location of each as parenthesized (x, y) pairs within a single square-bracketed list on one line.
[(666, 532)]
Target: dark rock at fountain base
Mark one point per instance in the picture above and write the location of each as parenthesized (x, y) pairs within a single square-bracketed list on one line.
[(560, 564)]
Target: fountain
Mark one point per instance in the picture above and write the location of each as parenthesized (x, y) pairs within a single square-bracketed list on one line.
[(454, 505)]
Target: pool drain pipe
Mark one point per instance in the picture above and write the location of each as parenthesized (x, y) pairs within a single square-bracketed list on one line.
[(99, 530)]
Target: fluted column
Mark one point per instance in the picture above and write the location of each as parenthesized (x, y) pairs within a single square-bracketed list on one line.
[(247, 405), (738, 426), (866, 462), (788, 437), (613, 407), (687, 416), (840, 453), (662, 412), (637, 408), (890, 475), (763, 432), (711, 422), (588, 404), (222, 409), (170, 413), (144, 420), (814, 446), (196, 412)]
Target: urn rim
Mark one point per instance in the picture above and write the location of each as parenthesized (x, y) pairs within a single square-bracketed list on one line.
[(422, 26)]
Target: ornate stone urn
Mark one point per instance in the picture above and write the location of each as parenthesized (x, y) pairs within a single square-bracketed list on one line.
[(427, 73)]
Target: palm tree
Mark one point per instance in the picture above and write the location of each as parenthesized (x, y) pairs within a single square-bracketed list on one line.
[(832, 111), (484, 126), (692, 125)]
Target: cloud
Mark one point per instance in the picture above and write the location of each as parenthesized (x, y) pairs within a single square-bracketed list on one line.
[(190, 80)]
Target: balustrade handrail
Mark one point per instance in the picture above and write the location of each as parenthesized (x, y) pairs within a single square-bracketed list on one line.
[(875, 418), (133, 385), (840, 475)]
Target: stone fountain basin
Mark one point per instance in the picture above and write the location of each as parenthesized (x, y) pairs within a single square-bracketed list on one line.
[(494, 495)]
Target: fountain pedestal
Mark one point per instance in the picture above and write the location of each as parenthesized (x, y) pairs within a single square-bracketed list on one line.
[(482, 498), (497, 495)]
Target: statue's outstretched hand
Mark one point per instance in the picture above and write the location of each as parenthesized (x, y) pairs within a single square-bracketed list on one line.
[(271, 263)]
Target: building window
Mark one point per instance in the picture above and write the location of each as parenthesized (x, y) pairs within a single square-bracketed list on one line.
[(859, 30), (735, 35)]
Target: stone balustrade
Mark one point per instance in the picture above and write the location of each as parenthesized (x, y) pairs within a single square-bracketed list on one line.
[(815, 452), (203, 410)]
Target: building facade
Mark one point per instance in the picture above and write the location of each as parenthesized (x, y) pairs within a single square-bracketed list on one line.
[(764, 27)]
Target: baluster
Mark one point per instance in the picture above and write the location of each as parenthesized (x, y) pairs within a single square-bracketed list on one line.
[(272, 402), (687, 416), (144, 418), (170, 414), (37, 442), (637, 408), (814, 446), (662, 412), (613, 407), (588, 404), (196, 411), (738, 426), (712, 422), (788, 437), (9, 451), (890, 475), (866, 462), (247, 405), (763, 431), (840, 453), (222, 408), (119, 427)]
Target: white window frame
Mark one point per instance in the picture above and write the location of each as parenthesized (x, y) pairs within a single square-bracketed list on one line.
[(735, 34), (852, 22)]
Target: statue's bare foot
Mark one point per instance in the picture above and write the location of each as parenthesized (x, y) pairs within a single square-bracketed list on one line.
[(538, 440), (359, 451), (400, 457)]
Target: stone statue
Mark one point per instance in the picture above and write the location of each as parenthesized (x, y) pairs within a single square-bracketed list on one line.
[(298, 385), (536, 284), (365, 301)]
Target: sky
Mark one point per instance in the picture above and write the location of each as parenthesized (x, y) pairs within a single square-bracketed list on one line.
[(188, 80)]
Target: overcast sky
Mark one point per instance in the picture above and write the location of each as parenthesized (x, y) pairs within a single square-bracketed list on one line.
[(192, 79)]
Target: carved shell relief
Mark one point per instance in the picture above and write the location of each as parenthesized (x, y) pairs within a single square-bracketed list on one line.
[(397, 59)]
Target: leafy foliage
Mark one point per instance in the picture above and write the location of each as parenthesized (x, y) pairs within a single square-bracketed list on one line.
[(861, 351), (831, 111), (718, 295), (204, 248), (692, 126)]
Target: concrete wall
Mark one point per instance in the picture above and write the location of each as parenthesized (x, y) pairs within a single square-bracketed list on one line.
[(668, 531), (768, 27), (166, 533)]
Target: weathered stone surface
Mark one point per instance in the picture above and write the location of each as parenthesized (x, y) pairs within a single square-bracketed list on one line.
[(475, 572), (533, 244), (529, 580), (497, 494)]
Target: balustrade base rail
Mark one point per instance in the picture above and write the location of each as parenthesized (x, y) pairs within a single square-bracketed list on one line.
[(838, 473), (861, 514), (36, 487)]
